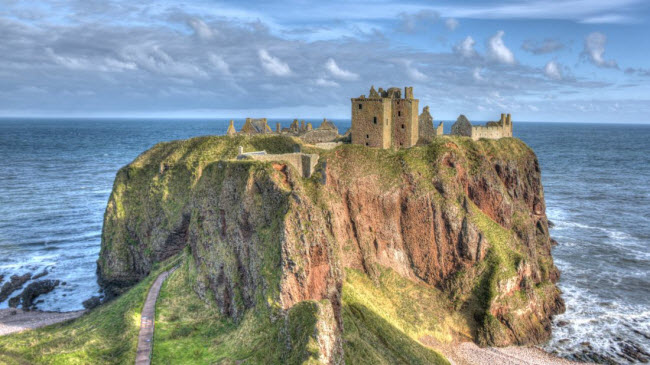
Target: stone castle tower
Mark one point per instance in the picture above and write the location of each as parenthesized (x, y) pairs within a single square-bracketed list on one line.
[(384, 119)]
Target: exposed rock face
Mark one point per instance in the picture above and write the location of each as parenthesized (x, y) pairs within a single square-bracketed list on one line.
[(467, 218)]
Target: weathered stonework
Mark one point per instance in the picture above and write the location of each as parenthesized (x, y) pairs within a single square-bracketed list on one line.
[(303, 163), (256, 126), (491, 130), (231, 129), (385, 119)]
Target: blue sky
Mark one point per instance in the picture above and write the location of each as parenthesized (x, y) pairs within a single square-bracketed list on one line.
[(565, 60)]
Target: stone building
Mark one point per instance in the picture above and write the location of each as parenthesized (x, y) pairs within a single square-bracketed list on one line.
[(256, 126), (384, 119), (491, 130), (326, 132)]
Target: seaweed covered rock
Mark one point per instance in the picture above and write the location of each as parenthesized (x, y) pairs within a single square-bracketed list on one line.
[(462, 220)]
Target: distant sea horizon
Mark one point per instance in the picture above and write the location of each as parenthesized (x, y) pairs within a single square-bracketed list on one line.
[(280, 119), (57, 174)]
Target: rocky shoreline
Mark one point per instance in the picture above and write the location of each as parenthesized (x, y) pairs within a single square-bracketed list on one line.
[(18, 320)]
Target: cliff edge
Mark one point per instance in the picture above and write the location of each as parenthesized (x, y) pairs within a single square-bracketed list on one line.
[(376, 254)]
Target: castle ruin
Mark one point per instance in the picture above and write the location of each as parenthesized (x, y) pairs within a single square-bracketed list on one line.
[(491, 130), (384, 119)]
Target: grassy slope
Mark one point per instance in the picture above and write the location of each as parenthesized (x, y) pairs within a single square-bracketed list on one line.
[(106, 335), (384, 321), (191, 331)]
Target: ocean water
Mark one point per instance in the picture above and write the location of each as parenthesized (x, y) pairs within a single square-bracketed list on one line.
[(56, 176)]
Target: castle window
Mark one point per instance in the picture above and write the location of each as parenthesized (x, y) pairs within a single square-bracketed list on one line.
[(399, 113), (360, 106), (367, 144), (374, 120), (367, 136), (402, 126)]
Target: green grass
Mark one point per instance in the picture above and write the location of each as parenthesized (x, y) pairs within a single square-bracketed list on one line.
[(190, 330), (384, 322), (106, 335)]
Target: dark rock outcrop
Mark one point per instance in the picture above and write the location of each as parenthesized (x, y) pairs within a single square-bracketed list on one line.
[(15, 282), (92, 302), (31, 292)]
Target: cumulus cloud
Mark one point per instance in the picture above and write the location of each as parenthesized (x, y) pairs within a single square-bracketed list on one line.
[(466, 47), (451, 24), (273, 65), (338, 72), (543, 47), (595, 49), (201, 29), (553, 71), (413, 73), (327, 83), (497, 50)]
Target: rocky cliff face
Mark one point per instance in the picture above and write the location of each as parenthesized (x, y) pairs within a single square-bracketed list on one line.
[(464, 220)]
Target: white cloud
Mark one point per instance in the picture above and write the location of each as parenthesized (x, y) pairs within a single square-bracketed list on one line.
[(201, 29), (106, 64), (594, 50), (498, 51), (338, 72), (552, 70), (219, 63), (273, 65), (327, 83), (413, 73), (466, 47), (153, 58), (476, 74), (451, 24)]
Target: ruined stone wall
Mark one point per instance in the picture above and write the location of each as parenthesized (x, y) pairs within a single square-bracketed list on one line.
[(302, 162), (462, 127), (426, 131), (490, 132), (370, 124), (404, 115), (439, 129)]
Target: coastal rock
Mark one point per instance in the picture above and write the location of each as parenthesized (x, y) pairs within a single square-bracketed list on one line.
[(15, 282), (464, 217), (40, 275), (31, 292), (92, 302)]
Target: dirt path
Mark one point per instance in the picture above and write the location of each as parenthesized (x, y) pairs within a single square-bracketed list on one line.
[(18, 320), (145, 339)]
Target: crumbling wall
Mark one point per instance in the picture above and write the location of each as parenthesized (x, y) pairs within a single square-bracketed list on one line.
[(302, 162), (462, 127), (425, 122)]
